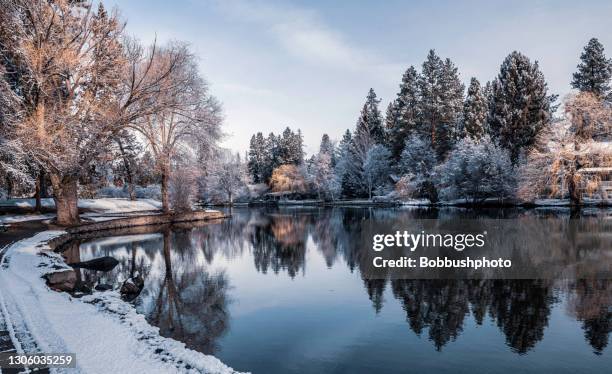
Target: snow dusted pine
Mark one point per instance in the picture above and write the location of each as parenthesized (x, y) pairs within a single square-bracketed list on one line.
[(402, 113), (594, 70), (417, 165), (441, 102), (520, 107), (376, 168), (475, 109)]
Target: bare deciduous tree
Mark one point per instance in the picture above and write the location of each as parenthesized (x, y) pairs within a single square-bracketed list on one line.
[(189, 119), (77, 86), (565, 147)]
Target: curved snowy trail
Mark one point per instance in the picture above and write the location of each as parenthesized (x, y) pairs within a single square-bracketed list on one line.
[(105, 333)]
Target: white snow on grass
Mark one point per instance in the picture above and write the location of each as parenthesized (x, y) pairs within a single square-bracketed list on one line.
[(104, 205), (96, 207), (416, 202), (119, 205), (552, 202), (105, 333), (24, 217)]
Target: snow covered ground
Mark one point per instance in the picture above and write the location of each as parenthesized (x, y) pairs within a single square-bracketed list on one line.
[(104, 205), (24, 217), (95, 206), (104, 332)]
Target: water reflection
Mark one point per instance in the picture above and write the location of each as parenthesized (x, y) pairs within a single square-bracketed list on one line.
[(187, 302), (188, 295)]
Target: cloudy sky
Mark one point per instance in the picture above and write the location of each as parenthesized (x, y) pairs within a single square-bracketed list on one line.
[(309, 64)]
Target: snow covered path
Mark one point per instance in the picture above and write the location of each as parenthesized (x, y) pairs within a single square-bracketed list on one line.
[(105, 333)]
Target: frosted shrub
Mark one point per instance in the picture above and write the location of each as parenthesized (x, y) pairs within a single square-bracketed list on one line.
[(182, 190), (152, 191), (113, 192), (476, 170)]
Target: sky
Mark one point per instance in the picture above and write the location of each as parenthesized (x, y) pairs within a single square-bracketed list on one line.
[(310, 64)]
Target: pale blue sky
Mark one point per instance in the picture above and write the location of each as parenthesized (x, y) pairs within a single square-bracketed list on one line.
[(309, 64)]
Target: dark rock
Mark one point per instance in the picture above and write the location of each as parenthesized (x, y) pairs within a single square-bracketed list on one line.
[(131, 288), (82, 287), (64, 280), (103, 287), (105, 263)]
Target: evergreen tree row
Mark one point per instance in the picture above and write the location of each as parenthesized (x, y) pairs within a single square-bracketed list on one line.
[(433, 127), (266, 154)]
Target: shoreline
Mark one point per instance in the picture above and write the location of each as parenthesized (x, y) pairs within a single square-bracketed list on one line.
[(543, 203), (42, 320)]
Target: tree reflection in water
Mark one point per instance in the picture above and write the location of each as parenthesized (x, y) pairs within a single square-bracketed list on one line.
[(189, 302)]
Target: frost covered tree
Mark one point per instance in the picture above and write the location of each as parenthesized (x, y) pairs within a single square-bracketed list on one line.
[(77, 85), (190, 119), (322, 170), (552, 168), (126, 151), (64, 63), (402, 113), (291, 147), (417, 167), (345, 166), (441, 102), (229, 175), (323, 178), (475, 109), (328, 147), (376, 168), (257, 158), (594, 71), (370, 123), (14, 166), (520, 105), (476, 170), (369, 131)]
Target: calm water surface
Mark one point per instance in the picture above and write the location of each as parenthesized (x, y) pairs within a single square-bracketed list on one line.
[(283, 291)]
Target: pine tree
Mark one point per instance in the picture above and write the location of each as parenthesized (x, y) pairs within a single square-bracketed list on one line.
[(417, 163), (327, 147), (271, 156), (441, 102), (298, 148), (346, 169), (257, 158), (402, 115), (475, 111), (376, 168), (594, 70), (369, 129), (520, 107), (371, 119)]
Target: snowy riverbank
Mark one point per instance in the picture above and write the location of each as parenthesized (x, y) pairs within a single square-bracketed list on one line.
[(105, 333)]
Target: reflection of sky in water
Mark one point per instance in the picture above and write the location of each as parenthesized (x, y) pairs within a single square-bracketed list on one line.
[(328, 319)]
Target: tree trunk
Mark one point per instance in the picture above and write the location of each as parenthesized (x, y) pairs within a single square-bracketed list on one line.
[(9, 188), (572, 186), (66, 198), (43, 184), (231, 198), (37, 196), (574, 192), (128, 171), (164, 190)]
